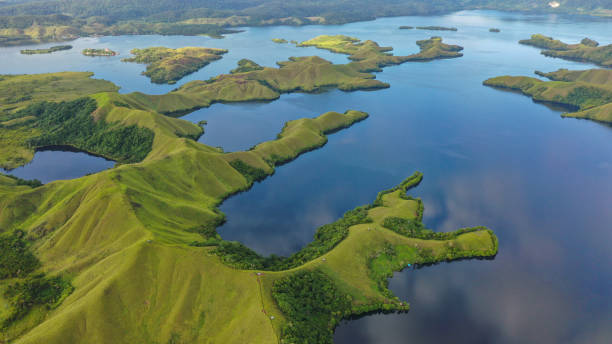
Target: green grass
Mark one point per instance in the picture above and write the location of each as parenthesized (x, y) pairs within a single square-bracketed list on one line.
[(589, 91), (124, 236), (167, 66), (587, 50)]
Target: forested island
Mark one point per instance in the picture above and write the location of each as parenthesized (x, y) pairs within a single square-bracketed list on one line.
[(51, 21), (587, 93), (587, 50), (437, 28), (156, 214), (45, 50), (98, 52), (167, 66), (495, 30)]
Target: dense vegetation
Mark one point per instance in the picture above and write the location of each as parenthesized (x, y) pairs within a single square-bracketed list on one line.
[(72, 124), (47, 50), (313, 305), (16, 260), (34, 183), (34, 291), (54, 20), (167, 66), (252, 174)]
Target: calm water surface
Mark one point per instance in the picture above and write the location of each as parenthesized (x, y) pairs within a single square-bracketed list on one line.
[(493, 158)]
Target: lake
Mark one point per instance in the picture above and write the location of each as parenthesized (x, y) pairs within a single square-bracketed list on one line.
[(493, 158)]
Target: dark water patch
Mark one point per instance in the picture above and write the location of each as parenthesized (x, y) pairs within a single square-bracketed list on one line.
[(60, 162)]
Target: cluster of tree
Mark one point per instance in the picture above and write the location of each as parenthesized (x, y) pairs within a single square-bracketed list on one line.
[(416, 229), (252, 174), (34, 291), (34, 183), (326, 238), (16, 260), (313, 306), (72, 124)]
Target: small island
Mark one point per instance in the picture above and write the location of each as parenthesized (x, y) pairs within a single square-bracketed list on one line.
[(587, 50), (99, 52), (167, 66), (45, 50), (493, 29), (437, 28), (406, 27), (280, 40)]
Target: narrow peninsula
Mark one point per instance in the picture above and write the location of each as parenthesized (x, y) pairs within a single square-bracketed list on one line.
[(167, 66), (587, 50), (588, 92)]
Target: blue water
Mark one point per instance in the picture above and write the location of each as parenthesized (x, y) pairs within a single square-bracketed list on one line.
[(490, 157), (50, 165)]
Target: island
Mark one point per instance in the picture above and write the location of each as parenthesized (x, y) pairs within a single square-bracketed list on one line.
[(167, 66), (587, 50), (495, 30), (280, 40), (406, 27), (98, 52), (45, 50), (586, 93), (437, 28), (120, 248)]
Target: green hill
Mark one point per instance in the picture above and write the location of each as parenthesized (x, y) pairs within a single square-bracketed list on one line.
[(588, 91)]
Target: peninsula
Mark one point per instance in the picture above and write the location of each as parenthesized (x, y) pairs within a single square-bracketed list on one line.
[(588, 92), (587, 50), (156, 216), (167, 66), (46, 50)]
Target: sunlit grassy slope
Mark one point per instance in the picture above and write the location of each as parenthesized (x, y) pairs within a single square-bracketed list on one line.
[(303, 74), (587, 50), (124, 237), (165, 65), (589, 91)]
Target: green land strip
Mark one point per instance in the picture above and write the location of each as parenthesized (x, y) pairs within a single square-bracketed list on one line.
[(587, 50), (46, 50), (167, 66), (588, 91), (131, 254)]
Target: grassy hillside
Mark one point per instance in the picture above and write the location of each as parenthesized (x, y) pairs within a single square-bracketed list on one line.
[(250, 82), (131, 254), (588, 91), (167, 66), (122, 237), (587, 50)]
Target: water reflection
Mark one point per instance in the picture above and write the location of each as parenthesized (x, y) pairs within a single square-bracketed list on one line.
[(53, 164)]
